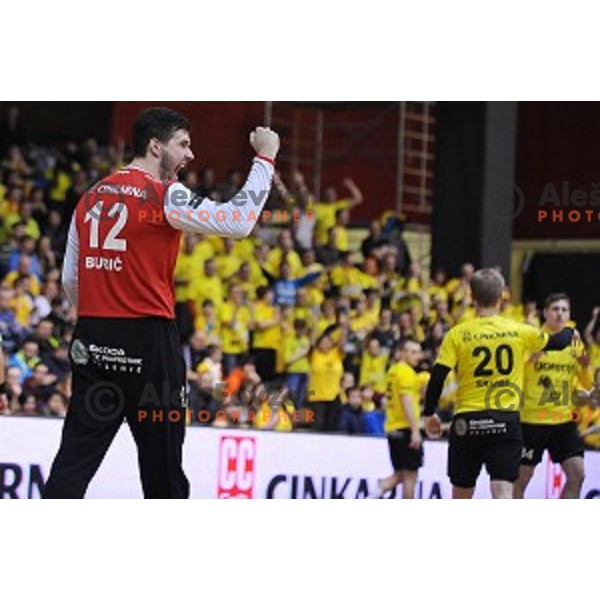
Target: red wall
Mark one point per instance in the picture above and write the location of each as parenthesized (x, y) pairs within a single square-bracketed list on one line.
[(362, 144), (220, 130), (558, 142)]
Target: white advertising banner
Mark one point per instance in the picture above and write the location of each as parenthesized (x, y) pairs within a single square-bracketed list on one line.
[(239, 463)]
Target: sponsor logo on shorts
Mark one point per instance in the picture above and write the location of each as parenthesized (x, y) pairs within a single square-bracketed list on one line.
[(115, 359), (236, 467), (79, 353), (460, 427)]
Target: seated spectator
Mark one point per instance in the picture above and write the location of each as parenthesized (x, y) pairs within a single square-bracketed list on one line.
[(373, 422), (349, 420), (272, 410), (25, 359), (24, 215), (44, 336), (205, 402), (56, 406), (23, 269), (42, 304), (385, 332), (28, 406), (211, 364), (241, 377), (11, 331), (57, 233), (26, 248), (367, 394), (58, 361)]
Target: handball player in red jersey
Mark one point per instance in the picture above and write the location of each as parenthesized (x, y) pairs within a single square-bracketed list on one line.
[(125, 355)]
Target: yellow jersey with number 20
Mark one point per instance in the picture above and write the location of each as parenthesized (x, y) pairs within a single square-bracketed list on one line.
[(489, 355)]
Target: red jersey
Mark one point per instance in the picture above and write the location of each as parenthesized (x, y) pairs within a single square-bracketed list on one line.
[(127, 249)]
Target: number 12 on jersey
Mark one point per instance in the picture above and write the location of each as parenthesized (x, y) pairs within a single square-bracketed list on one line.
[(111, 242)]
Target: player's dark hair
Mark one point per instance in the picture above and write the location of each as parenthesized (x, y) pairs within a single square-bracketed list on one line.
[(160, 123), (487, 286), (552, 298)]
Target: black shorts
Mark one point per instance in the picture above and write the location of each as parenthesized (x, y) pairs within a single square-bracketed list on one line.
[(124, 370), (562, 441), (491, 438), (403, 457)]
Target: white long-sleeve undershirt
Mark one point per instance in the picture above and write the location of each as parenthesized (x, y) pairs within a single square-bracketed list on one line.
[(234, 219), (70, 262)]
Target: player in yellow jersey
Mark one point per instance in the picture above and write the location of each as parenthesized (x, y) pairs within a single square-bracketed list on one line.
[(592, 339), (402, 421), (488, 353), (547, 418)]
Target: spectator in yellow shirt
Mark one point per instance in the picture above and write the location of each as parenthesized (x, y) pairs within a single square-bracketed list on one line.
[(346, 277), (361, 321), (22, 303), (342, 218), (326, 370), (327, 318), (32, 229), (203, 249), (266, 337), (209, 286), (184, 274), (373, 367), (228, 263), (243, 278), (235, 321), (441, 314), (284, 251), (207, 323), (24, 270), (325, 212), (273, 411), (297, 366), (437, 289)]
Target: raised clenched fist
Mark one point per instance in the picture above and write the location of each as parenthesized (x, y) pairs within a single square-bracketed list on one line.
[(265, 142)]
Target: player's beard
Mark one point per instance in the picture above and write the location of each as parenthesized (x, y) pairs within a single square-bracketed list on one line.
[(167, 167)]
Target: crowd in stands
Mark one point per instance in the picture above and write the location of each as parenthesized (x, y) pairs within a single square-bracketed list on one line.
[(294, 327)]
